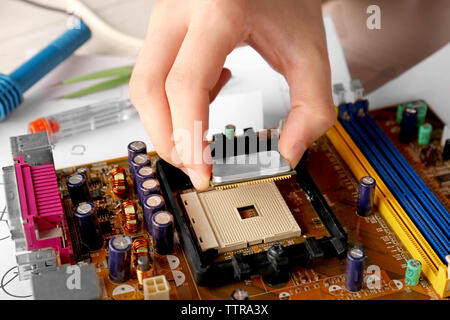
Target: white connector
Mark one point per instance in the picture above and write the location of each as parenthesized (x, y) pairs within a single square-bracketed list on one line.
[(156, 288)]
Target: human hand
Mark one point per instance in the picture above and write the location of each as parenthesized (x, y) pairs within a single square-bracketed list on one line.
[(180, 70)]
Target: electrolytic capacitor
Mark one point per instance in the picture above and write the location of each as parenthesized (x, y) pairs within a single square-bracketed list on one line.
[(86, 213), (446, 152), (239, 294), (162, 231), (424, 134), (136, 147), (230, 130), (147, 187), (143, 173), (400, 109), (429, 155), (354, 269), (408, 127), (119, 258), (366, 193), (151, 204), (139, 160), (78, 188), (412, 274)]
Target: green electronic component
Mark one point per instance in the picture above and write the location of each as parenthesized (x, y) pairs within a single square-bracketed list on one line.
[(412, 274), (400, 109), (424, 134), (230, 131), (421, 112)]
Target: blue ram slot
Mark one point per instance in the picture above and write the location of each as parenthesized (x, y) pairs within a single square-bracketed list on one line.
[(405, 201), (407, 182), (431, 196), (408, 201), (392, 180), (410, 183)]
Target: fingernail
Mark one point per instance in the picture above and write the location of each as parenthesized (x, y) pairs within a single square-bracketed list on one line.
[(199, 182), (296, 153)]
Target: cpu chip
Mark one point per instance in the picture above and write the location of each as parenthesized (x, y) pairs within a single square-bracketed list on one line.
[(239, 217)]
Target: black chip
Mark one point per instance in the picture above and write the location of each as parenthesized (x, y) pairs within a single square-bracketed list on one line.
[(105, 227)]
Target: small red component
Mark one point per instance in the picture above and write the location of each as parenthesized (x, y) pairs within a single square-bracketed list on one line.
[(119, 182)]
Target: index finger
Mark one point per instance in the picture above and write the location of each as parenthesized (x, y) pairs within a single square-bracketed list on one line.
[(194, 74)]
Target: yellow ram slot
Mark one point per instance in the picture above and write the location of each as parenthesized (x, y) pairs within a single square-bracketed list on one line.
[(433, 268)]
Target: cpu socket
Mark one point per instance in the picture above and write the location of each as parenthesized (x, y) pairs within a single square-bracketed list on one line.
[(236, 218)]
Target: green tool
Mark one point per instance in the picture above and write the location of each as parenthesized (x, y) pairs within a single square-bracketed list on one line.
[(116, 77)]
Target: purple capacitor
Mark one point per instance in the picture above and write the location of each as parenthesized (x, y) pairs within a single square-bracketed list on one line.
[(354, 269), (408, 126), (139, 160), (366, 193), (151, 204), (119, 258), (147, 187), (162, 232), (135, 148), (78, 188), (86, 213), (143, 173)]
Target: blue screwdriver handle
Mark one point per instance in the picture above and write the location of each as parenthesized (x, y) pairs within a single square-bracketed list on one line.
[(12, 87)]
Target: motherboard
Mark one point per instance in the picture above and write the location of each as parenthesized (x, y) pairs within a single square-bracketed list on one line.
[(139, 227)]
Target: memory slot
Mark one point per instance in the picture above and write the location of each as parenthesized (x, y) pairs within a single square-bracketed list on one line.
[(418, 206), (409, 204), (410, 171), (403, 171), (393, 212), (408, 201)]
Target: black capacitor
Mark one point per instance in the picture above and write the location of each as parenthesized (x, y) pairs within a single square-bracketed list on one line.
[(86, 213), (409, 125), (354, 269), (162, 231), (366, 193), (134, 148), (78, 188), (446, 152)]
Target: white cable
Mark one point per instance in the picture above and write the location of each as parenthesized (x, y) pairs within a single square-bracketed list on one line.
[(94, 22)]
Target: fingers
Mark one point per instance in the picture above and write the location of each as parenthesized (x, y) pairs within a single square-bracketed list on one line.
[(225, 75), (196, 77), (312, 112), (147, 83)]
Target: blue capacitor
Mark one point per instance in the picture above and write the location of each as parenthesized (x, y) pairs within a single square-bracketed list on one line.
[(151, 204), (366, 193), (135, 148), (162, 231), (86, 213), (78, 188), (354, 269), (409, 125), (119, 258), (147, 187)]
